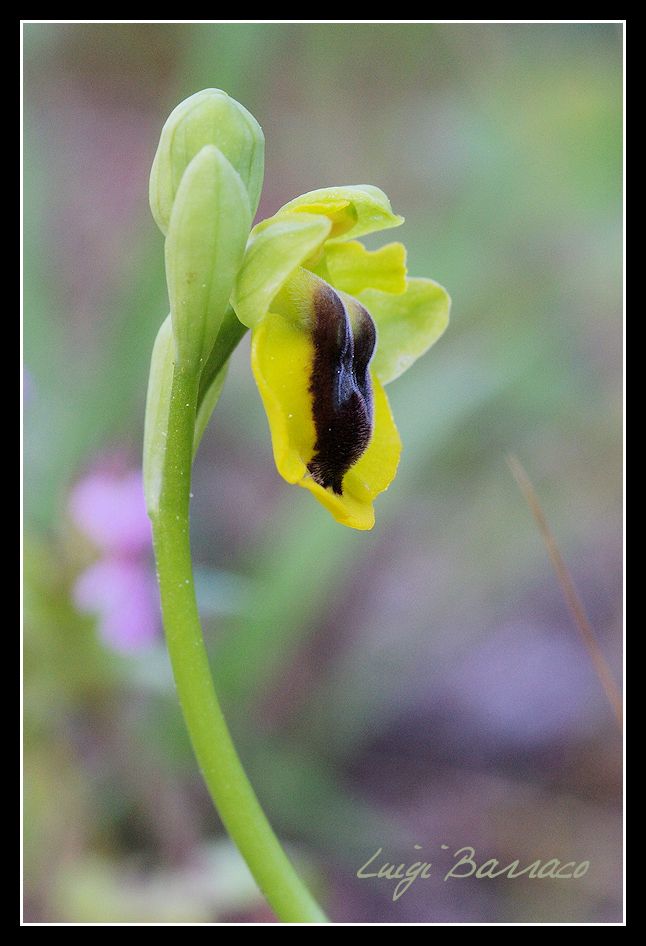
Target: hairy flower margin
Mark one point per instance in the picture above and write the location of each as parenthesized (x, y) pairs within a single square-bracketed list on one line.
[(332, 322)]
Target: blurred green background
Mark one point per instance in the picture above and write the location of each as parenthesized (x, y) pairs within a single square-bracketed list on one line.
[(419, 684)]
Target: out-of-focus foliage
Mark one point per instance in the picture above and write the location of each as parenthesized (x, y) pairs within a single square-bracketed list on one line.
[(417, 684)]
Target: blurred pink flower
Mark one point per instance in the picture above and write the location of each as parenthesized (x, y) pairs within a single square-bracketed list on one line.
[(108, 507), (123, 595)]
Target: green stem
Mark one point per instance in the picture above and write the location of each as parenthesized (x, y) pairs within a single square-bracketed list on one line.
[(221, 768)]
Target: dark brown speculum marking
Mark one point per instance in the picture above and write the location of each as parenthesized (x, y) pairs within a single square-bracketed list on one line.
[(340, 387)]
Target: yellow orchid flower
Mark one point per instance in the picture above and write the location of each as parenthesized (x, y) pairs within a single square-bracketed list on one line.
[(332, 323)]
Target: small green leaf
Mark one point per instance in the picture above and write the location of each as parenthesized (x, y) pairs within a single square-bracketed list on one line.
[(205, 246), (407, 325), (208, 117), (208, 404), (215, 371), (275, 249), (157, 407)]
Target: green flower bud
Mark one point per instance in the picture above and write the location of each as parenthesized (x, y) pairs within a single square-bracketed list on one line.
[(209, 117), (205, 245)]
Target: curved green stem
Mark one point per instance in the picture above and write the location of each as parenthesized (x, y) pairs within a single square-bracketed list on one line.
[(221, 768)]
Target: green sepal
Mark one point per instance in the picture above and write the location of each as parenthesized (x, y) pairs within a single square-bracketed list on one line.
[(407, 324)]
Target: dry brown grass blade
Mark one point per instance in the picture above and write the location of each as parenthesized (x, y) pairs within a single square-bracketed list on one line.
[(570, 594)]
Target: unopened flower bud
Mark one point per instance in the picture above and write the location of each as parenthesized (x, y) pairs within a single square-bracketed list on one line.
[(210, 117), (205, 245)]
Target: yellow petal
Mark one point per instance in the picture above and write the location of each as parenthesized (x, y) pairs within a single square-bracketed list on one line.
[(346, 509), (370, 204), (341, 213), (353, 268), (375, 470), (281, 360)]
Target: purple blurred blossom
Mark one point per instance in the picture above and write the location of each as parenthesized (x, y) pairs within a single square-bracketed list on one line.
[(122, 593), (108, 507), (111, 511)]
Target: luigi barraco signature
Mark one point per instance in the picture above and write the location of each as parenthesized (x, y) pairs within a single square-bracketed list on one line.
[(404, 875)]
